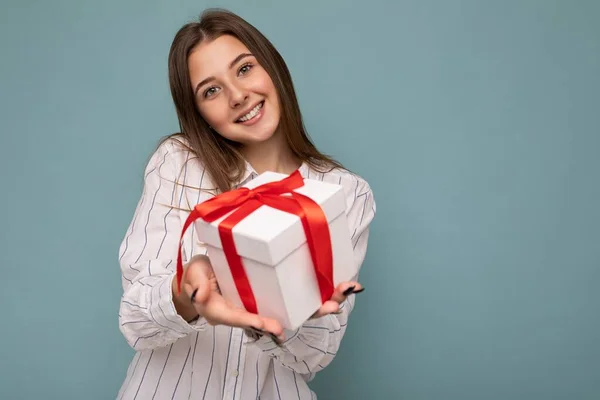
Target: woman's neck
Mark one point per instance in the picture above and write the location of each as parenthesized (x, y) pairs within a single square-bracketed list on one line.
[(273, 155)]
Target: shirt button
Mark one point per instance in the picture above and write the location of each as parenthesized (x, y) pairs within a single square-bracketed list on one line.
[(235, 372)]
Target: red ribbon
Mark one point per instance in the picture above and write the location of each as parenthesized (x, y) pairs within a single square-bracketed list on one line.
[(246, 201)]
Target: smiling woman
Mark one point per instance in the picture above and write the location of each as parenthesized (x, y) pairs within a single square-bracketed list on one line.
[(237, 94), (239, 117), (220, 69)]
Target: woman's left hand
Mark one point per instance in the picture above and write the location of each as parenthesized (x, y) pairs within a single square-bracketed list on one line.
[(341, 293), (332, 306)]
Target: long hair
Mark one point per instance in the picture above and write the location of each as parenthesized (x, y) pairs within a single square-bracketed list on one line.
[(220, 156)]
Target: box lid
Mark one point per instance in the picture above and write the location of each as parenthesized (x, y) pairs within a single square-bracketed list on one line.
[(269, 235)]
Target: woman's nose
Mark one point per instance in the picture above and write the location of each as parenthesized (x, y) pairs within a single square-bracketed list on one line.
[(238, 96)]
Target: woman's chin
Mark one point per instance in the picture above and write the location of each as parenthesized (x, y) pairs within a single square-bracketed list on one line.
[(258, 136)]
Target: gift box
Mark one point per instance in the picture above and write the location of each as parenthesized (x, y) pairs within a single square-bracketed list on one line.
[(279, 245)]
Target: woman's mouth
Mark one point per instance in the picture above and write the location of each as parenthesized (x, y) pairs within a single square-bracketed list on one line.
[(253, 116)]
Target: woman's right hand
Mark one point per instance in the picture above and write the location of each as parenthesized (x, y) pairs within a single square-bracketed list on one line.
[(199, 284)]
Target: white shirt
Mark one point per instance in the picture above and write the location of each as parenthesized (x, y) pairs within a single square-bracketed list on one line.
[(178, 360)]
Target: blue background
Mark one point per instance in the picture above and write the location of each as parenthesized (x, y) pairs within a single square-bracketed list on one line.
[(477, 124)]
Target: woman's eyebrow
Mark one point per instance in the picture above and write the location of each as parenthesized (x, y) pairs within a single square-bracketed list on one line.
[(212, 78)]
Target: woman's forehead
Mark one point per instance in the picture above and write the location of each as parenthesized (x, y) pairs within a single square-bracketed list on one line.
[(224, 47)]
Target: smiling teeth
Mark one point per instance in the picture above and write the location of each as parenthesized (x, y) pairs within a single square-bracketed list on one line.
[(252, 113)]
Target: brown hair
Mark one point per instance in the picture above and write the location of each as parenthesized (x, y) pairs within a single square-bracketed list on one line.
[(219, 155)]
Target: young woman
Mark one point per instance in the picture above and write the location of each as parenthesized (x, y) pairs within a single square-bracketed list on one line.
[(238, 117)]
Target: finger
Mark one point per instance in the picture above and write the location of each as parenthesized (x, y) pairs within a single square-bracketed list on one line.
[(217, 311), (273, 326), (254, 334), (220, 312), (197, 285), (197, 268), (198, 295), (199, 258), (329, 307), (197, 261), (344, 290)]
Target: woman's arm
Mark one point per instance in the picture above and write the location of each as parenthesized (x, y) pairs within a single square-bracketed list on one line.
[(151, 313)]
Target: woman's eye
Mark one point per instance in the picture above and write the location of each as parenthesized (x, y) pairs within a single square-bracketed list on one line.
[(245, 69), (210, 91)]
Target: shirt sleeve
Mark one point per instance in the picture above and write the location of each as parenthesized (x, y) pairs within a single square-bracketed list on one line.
[(313, 346), (148, 258)]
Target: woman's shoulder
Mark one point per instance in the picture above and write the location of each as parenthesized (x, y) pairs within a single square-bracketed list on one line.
[(176, 160), (175, 151), (360, 200), (171, 148), (353, 183)]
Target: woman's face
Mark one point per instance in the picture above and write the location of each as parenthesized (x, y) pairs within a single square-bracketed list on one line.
[(233, 93)]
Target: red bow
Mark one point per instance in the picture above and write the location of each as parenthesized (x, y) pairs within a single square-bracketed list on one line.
[(316, 229)]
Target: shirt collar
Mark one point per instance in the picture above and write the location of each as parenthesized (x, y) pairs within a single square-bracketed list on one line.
[(250, 173)]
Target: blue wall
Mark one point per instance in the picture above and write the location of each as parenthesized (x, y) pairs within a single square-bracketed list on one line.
[(477, 124)]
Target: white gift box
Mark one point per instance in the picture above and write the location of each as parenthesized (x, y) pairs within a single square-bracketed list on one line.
[(276, 257)]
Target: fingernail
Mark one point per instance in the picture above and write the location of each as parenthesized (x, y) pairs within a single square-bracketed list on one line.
[(349, 290), (275, 339), (257, 330), (254, 333), (193, 298), (359, 290)]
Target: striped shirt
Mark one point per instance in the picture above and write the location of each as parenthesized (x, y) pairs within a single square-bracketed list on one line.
[(175, 359)]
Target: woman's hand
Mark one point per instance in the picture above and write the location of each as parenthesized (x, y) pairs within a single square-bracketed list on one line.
[(341, 293), (200, 286)]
